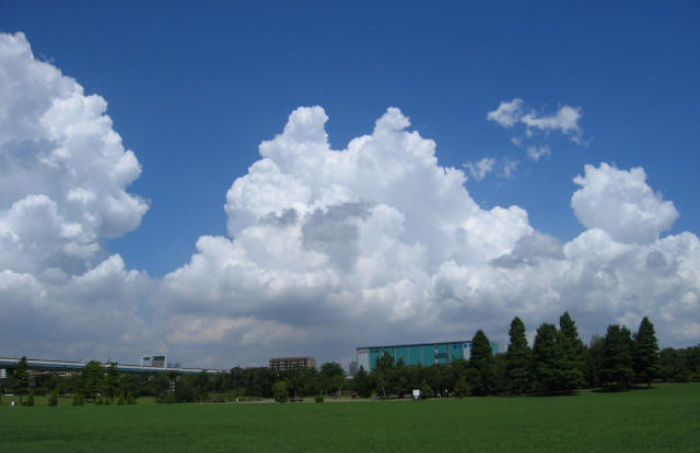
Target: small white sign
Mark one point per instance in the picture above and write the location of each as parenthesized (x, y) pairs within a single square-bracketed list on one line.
[(416, 395)]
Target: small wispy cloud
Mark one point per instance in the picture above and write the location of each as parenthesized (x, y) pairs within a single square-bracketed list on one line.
[(535, 153), (508, 113), (565, 120), (481, 168), (531, 125), (509, 168)]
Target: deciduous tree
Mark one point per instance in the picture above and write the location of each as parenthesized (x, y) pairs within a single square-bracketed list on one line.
[(280, 391), (92, 378)]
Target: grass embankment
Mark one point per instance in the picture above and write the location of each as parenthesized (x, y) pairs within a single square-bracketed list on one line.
[(665, 419)]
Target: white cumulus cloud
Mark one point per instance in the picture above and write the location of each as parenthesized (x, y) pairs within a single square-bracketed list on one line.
[(63, 169), (621, 203), (63, 178)]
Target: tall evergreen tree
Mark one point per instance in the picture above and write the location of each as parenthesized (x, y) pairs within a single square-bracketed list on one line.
[(20, 378), (593, 362), (518, 358), (646, 353), (617, 357), (571, 367), (547, 358), (480, 372)]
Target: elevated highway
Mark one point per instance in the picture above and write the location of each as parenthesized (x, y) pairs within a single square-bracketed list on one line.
[(66, 365)]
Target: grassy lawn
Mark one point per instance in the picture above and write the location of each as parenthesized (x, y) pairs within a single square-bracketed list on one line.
[(665, 419)]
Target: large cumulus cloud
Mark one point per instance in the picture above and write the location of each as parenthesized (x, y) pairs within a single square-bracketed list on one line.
[(63, 169), (377, 243), (63, 178)]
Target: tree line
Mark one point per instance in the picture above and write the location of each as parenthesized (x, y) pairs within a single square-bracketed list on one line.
[(558, 362)]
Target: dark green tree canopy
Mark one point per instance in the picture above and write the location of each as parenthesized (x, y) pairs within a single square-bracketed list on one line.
[(617, 357), (480, 373), (92, 378), (567, 327), (20, 378), (518, 358), (386, 361), (646, 352), (572, 349), (547, 357)]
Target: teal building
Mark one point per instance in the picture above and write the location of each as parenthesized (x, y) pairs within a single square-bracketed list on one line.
[(425, 354)]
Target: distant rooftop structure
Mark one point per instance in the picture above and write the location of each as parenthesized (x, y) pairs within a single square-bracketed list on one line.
[(292, 363), (154, 360)]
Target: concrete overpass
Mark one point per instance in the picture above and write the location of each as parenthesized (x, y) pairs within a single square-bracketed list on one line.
[(66, 365)]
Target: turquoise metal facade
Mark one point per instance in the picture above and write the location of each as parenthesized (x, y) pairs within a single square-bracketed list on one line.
[(424, 354)]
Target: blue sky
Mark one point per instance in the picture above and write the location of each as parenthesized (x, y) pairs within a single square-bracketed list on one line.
[(193, 88)]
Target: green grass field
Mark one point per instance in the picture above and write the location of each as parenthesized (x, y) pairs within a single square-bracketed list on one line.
[(665, 419)]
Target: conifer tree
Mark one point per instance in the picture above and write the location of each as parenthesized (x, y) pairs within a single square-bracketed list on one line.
[(480, 372), (646, 353), (617, 357), (593, 361), (572, 362), (518, 358), (547, 358), (20, 378)]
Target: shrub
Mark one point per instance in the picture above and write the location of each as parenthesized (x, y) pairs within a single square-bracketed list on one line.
[(53, 399), (130, 398), (30, 399), (78, 399), (319, 398), (121, 400)]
